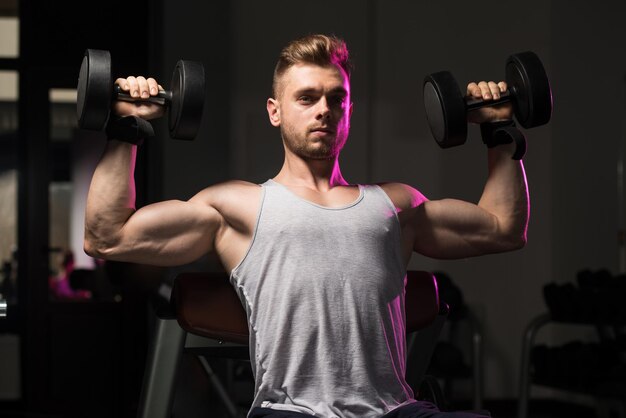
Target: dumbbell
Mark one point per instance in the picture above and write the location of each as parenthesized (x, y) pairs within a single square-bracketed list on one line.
[(96, 91), (528, 91), (3, 307)]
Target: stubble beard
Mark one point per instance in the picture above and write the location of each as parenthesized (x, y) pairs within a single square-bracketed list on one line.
[(323, 149)]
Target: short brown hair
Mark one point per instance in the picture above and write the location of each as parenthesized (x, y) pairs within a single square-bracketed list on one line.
[(317, 49)]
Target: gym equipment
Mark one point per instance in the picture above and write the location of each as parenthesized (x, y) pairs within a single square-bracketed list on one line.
[(95, 88), (598, 298), (528, 91), (3, 307)]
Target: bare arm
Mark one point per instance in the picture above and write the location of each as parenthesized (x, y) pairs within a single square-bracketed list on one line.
[(452, 228), (165, 233)]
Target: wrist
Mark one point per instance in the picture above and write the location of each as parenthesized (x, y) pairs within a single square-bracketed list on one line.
[(504, 132), (488, 132), (129, 129)]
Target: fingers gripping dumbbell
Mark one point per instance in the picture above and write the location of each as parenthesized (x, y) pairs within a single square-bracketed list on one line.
[(96, 91), (528, 91)]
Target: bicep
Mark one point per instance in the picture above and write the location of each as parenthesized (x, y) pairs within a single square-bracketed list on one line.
[(168, 233), (451, 228)]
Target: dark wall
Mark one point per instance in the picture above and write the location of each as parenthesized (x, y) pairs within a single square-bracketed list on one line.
[(200, 32), (58, 32), (589, 141)]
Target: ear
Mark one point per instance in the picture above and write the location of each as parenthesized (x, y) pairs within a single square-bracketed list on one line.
[(273, 111)]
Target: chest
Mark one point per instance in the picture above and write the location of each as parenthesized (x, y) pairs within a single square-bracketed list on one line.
[(367, 227), (337, 197)]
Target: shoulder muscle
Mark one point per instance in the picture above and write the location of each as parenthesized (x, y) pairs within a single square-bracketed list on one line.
[(403, 196)]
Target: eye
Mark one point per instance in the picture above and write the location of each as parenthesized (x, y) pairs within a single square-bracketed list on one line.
[(305, 99), (338, 100)]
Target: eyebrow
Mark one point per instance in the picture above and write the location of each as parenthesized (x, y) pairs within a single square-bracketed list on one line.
[(306, 90)]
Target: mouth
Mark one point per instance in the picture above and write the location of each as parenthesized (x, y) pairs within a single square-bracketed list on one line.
[(323, 129)]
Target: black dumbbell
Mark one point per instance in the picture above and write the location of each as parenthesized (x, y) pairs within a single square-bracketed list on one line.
[(185, 100), (528, 90)]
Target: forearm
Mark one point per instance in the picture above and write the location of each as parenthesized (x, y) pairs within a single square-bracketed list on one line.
[(111, 198), (505, 196)]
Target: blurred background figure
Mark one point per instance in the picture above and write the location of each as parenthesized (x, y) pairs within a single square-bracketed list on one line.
[(60, 286)]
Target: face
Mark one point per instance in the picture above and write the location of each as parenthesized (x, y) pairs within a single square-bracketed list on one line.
[(313, 110)]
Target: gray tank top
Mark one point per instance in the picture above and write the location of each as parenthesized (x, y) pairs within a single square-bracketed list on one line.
[(324, 293)]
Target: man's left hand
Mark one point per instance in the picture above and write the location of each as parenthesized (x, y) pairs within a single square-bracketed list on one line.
[(489, 90)]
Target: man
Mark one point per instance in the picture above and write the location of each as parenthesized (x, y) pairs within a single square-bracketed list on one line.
[(319, 264)]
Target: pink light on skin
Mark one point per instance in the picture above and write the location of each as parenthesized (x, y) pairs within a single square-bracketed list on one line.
[(130, 202), (131, 195), (525, 227)]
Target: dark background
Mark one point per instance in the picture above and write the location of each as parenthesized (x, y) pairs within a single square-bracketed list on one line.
[(573, 164)]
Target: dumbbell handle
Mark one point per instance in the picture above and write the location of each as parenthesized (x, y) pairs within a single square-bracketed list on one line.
[(3, 307), (164, 97), (472, 103)]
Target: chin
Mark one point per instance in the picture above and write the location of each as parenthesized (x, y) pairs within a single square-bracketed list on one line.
[(327, 157), (322, 152), (317, 154), (317, 149)]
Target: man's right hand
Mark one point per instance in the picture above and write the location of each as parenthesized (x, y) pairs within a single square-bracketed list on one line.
[(139, 88)]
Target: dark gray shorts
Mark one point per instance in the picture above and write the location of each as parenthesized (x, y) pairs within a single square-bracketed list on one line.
[(419, 409)]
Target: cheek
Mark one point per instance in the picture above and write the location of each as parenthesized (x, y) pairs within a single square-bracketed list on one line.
[(291, 116), (345, 118)]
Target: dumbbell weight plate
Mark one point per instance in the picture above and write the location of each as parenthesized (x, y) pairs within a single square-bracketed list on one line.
[(187, 93), (529, 83), (94, 90), (445, 109)]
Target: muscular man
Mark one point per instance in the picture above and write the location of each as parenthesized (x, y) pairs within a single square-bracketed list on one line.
[(319, 263)]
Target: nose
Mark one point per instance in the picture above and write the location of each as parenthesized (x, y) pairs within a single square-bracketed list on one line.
[(323, 111)]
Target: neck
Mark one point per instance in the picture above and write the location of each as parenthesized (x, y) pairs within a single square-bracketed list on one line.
[(319, 175)]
